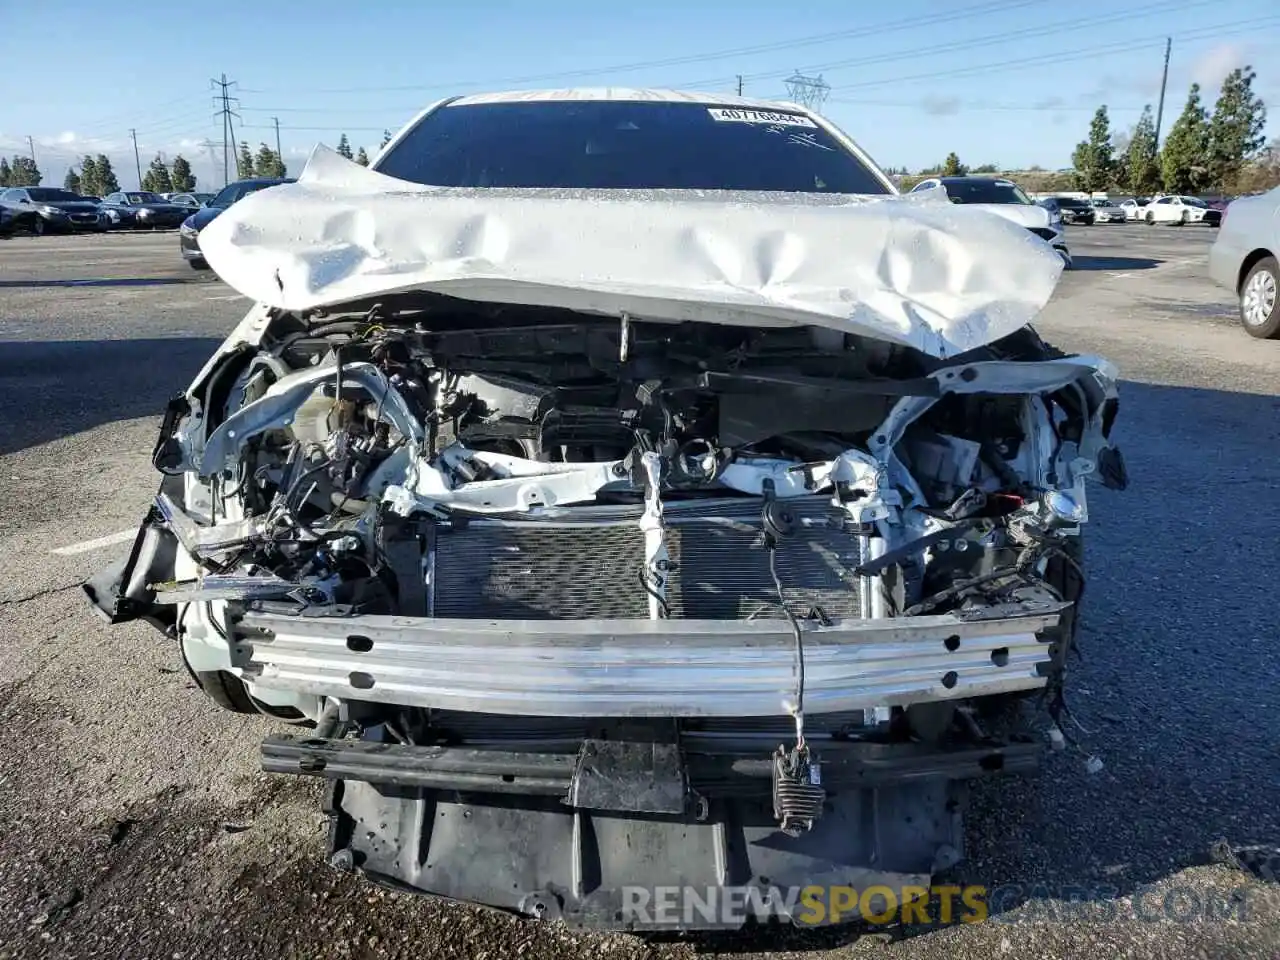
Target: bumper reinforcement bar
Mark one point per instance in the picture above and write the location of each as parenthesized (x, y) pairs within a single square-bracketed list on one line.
[(643, 668)]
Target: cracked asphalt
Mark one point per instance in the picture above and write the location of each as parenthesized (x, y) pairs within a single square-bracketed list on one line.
[(134, 822)]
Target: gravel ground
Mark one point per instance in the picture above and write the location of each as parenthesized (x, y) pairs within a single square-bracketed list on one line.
[(134, 822)]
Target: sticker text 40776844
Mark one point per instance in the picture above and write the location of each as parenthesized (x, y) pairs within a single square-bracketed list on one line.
[(736, 115)]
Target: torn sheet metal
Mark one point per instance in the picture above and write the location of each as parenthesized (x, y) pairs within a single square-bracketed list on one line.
[(912, 270)]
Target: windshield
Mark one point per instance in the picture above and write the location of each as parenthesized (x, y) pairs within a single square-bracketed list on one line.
[(626, 145), (1072, 202), (985, 191), (51, 195), (143, 198), (1102, 203), (238, 191), (1194, 202)]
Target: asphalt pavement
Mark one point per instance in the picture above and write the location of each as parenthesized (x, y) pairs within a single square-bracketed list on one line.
[(134, 821)]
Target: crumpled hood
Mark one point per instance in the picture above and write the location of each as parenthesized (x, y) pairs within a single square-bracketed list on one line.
[(1028, 215), (914, 270)]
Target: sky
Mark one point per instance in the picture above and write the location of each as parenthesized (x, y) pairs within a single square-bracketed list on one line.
[(1010, 82)]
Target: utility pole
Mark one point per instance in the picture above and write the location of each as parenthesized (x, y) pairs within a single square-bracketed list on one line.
[(279, 155), (739, 84), (32, 144), (137, 161), (223, 100), (1164, 80)]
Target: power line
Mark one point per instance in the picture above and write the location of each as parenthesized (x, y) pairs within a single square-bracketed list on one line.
[(830, 36), (1024, 33), (931, 50), (1120, 46)]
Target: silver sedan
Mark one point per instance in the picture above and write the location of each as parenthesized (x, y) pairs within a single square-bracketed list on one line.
[(1244, 258)]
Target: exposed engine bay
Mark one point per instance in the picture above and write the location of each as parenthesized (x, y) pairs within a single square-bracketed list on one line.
[(530, 572)]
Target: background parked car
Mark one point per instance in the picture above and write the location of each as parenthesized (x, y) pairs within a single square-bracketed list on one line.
[(11, 221), (55, 210), (1006, 199), (1075, 210), (1181, 210), (1133, 207), (192, 201), (1243, 259), (141, 208), (1107, 211), (189, 233)]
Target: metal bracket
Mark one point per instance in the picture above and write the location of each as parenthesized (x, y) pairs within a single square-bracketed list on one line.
[(629, 777)]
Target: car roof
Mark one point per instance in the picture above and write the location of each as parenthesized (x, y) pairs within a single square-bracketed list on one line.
[(635, 94), (236, 183)]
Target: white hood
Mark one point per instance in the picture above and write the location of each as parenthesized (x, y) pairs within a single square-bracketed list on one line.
[(1023, 214), (914, 270)]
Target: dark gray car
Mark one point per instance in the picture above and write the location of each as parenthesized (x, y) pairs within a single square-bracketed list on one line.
[(142, 208), (1244, 258), (52, 210)]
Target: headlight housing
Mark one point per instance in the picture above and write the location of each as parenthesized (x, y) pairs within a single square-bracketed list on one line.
[(187, 230), (49, 211)]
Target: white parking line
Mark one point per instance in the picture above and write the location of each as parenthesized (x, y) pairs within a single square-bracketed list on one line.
[(234, 296), (110, 540)]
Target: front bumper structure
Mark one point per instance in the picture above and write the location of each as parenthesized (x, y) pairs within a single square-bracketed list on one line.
[(645, 668)]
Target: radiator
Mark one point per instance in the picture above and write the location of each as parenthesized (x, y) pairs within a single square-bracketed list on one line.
[(587, 563)]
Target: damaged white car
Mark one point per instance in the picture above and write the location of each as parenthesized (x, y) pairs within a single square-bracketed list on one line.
[(629, 488)]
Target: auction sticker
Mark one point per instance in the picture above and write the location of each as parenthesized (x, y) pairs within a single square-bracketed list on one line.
[(736, 115)]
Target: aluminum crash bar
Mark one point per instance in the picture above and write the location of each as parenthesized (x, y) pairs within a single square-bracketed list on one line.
[(642, 668)]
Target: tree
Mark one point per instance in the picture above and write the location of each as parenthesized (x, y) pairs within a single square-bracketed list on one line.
[(244, 162), (71, 181), (362, 158), (6, 172), (386, 138), (1141, 159), (268, 163), (1235, 131), (952, 167), (264, 164), (89, 177), (107, 182), (986, 168), (1092, 158), (344, 147), (23, 172), (1261, 173), (183, 180), (1184, 159), (160, 179)]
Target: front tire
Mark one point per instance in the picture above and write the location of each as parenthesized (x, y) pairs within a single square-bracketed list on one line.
[(38, 228), (199, 264), (1184, 219), (224, 689), (1151, 219), (1259, 303)]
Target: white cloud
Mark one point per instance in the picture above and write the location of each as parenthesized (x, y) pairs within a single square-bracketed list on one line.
[(1214, 64)]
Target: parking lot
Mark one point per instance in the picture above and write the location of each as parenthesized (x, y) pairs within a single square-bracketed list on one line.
[(134, 821)]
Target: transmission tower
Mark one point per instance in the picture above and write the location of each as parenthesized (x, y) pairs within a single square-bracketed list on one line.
[(807, 91), (223, 101)]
